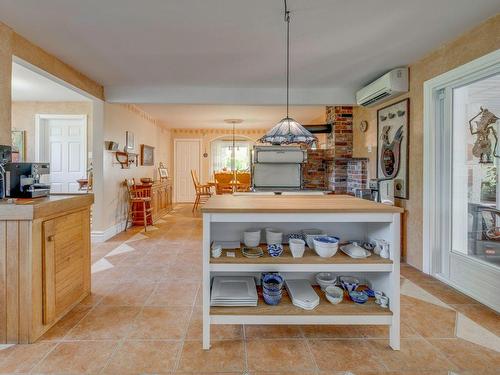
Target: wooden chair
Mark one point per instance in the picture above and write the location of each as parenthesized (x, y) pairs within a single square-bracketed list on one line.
[(244, 181), (139, 204), (223, 182), (202, 191)]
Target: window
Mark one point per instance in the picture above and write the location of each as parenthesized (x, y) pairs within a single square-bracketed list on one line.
[(222, 155)]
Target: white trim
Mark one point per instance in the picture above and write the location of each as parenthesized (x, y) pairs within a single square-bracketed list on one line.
[(474, 70), (302, 319), (200, 161), (104, 235)]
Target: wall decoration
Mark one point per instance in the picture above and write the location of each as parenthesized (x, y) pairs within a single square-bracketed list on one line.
[(163, 171), (18, 145), (129, 142), (392, 146), (363, 126), (147, 155), (485, 127)]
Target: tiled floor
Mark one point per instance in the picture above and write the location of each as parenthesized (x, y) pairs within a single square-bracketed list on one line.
[(144, 316)]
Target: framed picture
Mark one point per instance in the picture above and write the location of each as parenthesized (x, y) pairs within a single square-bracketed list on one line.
[(392, 145), (147, 155), (18, 145), (162, 171), (129, 141)]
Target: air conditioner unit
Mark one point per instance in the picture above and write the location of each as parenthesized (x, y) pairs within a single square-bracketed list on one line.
[(389, 85)]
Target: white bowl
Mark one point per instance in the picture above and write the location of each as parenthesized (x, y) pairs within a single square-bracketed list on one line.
[(297, 247), (251, 238), (273, 237), (325, 249), (309, 235), (325, 279), (334, 294)]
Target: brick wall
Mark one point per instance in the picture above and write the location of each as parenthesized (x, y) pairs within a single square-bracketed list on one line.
[(313, 172)]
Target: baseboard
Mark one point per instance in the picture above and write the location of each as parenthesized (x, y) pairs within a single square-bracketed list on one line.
[(104, 235)]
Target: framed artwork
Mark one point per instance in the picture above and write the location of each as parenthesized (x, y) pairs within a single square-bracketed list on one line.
[(162, 171), (129, 141), (147, 155), (18, 145), (392, 145)]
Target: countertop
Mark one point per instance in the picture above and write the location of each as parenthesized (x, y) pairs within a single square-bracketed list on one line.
[(30, 209), (295, 203)]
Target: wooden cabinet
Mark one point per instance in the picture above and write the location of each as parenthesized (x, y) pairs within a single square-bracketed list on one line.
[(161, 196), (44, 263), (65, 263)]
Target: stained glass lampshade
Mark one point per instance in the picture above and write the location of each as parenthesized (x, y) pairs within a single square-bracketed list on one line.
[(288, 131)]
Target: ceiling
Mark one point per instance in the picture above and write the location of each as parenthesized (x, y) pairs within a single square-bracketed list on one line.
[(233, 51), (212, 116), (30, 86)]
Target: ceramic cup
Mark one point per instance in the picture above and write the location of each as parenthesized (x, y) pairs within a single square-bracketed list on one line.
[(273, 236), (378, 294), (297, 247), (384, 302)]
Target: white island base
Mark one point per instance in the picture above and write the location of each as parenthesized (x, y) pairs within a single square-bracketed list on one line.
[(226, 217)]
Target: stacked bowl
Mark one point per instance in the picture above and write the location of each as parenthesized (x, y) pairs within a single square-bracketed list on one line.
[(272, 285), (326, 246), (309, 235), (273, 236), (251, 237), (325, 279), (216, 251)]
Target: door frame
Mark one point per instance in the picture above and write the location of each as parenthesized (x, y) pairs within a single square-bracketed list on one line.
[(435, 241), (200, 162)]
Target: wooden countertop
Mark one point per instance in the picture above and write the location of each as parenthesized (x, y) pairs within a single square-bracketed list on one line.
[(30, 209), (295, 203)]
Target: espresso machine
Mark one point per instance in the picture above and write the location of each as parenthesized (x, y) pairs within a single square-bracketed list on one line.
[(22, 180), (5, 157)]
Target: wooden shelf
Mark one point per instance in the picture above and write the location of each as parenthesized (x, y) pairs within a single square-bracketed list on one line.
[(310, 257), (285, 307)]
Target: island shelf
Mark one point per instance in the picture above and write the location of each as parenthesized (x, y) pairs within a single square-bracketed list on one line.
[(226, 217)]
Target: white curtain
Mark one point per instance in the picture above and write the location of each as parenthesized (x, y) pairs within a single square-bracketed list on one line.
[(222, 154)]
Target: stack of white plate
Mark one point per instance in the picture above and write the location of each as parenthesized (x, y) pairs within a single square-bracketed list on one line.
[(302, 293), (233, 291)]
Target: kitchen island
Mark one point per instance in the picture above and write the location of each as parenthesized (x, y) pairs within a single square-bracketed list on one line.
[(44, 263), (225, 218)]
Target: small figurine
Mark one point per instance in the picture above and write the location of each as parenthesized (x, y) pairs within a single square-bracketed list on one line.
[(484, 127)]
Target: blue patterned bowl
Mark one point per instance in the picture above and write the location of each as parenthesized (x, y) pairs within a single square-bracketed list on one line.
[(272, 282), (271, 292), (271, 300), (358, 297), (275, 250), (349, 283), (298, 236)]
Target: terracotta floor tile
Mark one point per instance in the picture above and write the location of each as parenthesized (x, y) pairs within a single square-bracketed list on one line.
[(468, 356), (217, 332), (105, 322), (279, 355), (446, 294), (331, 331), (99, 290), (223, 356), (129, 294), (138, 357), (482, 315), (272, 332), (161, 323), (79, 357), (61, 328), (345, 355), (429, 320), (22, 358), (174, 293), (415, 354)]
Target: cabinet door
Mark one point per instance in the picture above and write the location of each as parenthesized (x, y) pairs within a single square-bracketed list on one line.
[(66, 263)]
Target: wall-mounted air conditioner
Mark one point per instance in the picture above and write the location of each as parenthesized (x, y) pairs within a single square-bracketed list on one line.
[(389, 85)]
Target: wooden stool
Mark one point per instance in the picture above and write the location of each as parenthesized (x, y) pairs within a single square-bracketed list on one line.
[(139, 208)]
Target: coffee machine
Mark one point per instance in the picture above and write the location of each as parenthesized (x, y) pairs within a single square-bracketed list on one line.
[(22, 180), (5, 157), (382, 190)]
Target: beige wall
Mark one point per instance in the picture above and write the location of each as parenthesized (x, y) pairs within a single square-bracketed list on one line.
[(24, 113), (118, 119), (475, 43), (5, 83)]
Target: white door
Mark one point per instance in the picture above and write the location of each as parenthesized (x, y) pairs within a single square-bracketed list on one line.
[(63, 143), (187, 158)]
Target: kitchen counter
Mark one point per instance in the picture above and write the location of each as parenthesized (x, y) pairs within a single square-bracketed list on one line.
[(45, 258), (295, 204), (30, 209)]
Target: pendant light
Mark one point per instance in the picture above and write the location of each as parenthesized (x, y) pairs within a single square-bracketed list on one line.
[(233, 121), (288, 130)]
